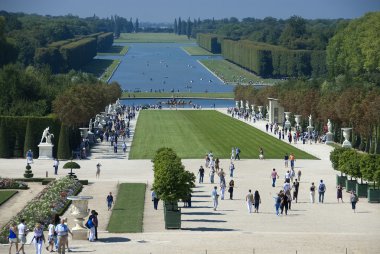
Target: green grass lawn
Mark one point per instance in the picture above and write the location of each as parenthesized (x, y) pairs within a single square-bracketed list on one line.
[(127, 213), (193, 133), (5, 195), (197, 51), (153, 37), (178, 95), (115, 50), (232, 73), (101, 68)]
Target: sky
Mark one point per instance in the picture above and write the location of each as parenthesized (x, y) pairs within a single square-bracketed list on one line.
[(167, 10)]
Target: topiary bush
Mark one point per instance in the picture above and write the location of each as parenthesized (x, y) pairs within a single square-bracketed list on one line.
[(28, 171), (4, 142), (64, 152)]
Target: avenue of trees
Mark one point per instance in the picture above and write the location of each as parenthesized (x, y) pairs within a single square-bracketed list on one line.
[(349, 97)]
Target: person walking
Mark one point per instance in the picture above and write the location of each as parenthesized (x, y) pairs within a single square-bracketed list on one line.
[(55, 165), (98, 170), (62, 233), (299, 173), (274, 176), (215, 196), (222, 189), (339, 193), (231, 189), (286, 159), (91, 225), (354, 199), (261, 154), (51, 237), (96, 223), (292, 159), (237, 153), (201, 173), (109, 201), (312, 193), (321, 191), (256, 201), (212, 175), (13, 237), (296, 186), (232, 168), (277, 203), (232, 153), (284, 203), (38, 238), (22, 231), (124, 147), (249, 201), (154, 199)]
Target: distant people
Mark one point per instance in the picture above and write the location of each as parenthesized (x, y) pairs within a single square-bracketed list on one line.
[(55, 165), (201, 173), (339, 193), (232, 169), (256, 201), (29, 157), (222, 189), (292, 159), (295, 187), (91, 226), (249, 200), (237, 153), (312, 193), (284, 203), (354, 199), (299, 173), (215, 196), (233, 154), (286, 159), (274, 176), (155, 199), (62, 232), (212, 175), (261, 154), (231, 188), (277, 203), (109, 201), (124, 147), (98, 170), (51, 237), (321, 191)]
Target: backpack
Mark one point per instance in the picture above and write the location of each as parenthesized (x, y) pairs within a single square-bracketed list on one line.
[(89, 224), (322, 187)]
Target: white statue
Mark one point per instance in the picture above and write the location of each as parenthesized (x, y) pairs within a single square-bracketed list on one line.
[(310, 121), (90, 125), (46, 135), (109, 109), (329, 126)]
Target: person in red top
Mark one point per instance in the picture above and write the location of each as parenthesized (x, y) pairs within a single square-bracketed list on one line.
[(274, 176), (292, 158)]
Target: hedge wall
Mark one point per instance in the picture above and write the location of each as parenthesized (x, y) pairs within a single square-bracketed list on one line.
[(210, 42), (105, 41), (16, 127), (274, 61), (78, 53)]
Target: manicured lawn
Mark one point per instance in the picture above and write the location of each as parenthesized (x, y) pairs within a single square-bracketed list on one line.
[(127, 214), (5, 195), (153, 37), (232, 73), (178, 95), (197, 51), (115, 50), (193, 133), (110, 69)]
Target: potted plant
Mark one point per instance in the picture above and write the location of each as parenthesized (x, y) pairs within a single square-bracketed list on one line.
[(371, 172), (71, 165), (334, 158), (171, 183)]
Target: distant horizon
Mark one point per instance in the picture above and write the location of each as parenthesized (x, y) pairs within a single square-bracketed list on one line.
[(165, 11)]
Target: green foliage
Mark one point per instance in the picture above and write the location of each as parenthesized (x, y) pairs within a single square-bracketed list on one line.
[(349, 163), (29, 138), (210, 42), (171, 181), (4, 142), (78, 53), (335, 155), (64, 151), (355, 50), (71, 165)]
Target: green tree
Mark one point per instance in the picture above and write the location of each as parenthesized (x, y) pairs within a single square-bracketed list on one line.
[(137, 28), (179, 29), (188, 28), (64, 151), (349, 163), (29, 141), (175, 28)]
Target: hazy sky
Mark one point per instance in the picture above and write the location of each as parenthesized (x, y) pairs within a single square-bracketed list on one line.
[(167, 10)]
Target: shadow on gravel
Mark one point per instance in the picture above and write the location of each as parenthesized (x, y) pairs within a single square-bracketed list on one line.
[(114, 240), (204, 220), (203, 213), (201, 196), (208, 229)]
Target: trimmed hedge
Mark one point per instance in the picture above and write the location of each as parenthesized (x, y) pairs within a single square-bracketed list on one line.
[(64, 151), (210, 42), (78, 53), (274, 61), (105, 41)]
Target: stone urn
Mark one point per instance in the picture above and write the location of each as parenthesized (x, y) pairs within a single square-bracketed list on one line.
[(297, 118), (287, 122), (346, 135), (79, 210)]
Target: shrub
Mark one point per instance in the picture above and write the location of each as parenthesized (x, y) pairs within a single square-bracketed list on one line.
[(4, 142), (28, 171), (64, 151)]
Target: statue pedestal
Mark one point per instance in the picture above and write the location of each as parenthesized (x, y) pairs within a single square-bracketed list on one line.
[(45, 151), (329, 138)]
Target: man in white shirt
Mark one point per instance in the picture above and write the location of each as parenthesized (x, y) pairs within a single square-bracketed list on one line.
[(22, 231), (214, 195), (287, 185), (55, 165)]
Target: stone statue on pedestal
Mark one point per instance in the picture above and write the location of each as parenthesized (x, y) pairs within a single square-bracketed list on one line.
[(329, 126), (47, 136), (310, 120)]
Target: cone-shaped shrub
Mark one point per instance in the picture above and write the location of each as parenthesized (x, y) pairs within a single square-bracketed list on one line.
[(64, 152)]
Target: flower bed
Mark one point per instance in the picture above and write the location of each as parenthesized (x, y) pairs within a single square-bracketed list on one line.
[(50, 201), (8, 183)]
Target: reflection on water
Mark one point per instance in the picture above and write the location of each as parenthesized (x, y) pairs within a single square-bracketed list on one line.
[(150, 67), (181, 103)]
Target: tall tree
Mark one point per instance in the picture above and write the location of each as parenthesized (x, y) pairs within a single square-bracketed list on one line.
[(137, 25), (179, 29), (175, 26), (188, 28)]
